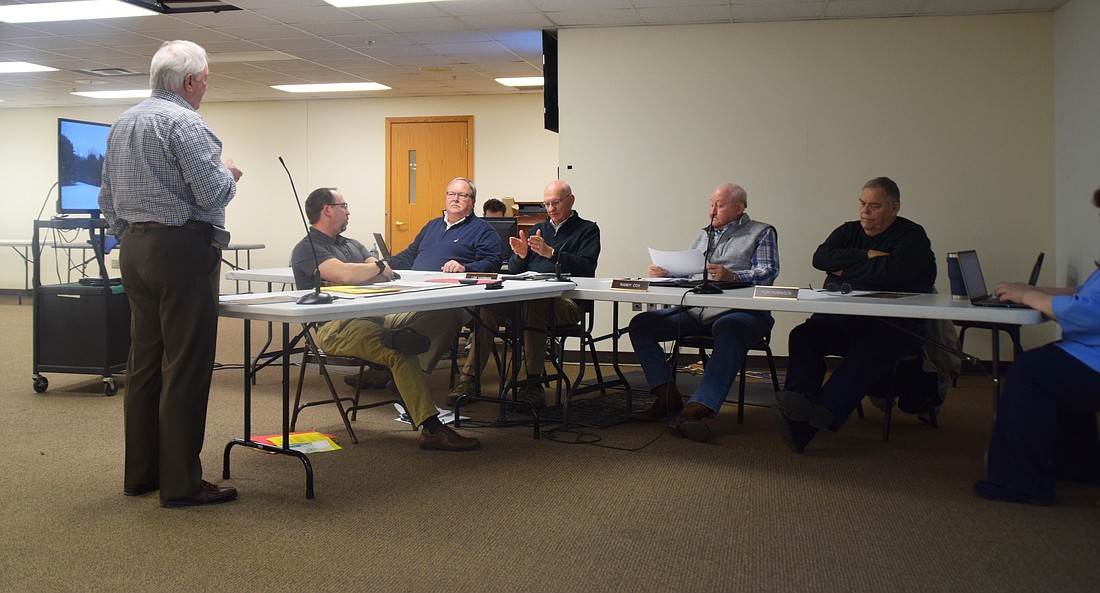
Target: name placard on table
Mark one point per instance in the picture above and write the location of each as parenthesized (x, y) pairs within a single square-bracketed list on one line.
[(775, 292)]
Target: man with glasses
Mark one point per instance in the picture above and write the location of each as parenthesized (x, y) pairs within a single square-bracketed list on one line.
[(458, 241), (741, 249), (881, 251), (393, 340), (564, 243)]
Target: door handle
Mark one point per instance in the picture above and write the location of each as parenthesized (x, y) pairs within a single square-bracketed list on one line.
[(398, 223)]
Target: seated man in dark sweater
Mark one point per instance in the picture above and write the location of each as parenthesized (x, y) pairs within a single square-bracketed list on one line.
[(880, 251), (395, 340), (564, 242), (458, 241)]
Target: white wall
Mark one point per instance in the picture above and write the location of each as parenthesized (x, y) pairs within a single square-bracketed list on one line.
[(324, 142), (1077, 129), (959, 111)]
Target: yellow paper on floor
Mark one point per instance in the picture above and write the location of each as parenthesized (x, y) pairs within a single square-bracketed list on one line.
[(307, 442)]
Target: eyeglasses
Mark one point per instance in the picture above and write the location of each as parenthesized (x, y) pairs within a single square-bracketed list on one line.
[(842, 289), (457, 196), (343, 205), (551, 204)]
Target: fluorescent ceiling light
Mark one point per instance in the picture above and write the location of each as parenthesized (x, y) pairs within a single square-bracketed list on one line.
[(132, 94), (14, 67), (70, 11), (354, 3), (336, 87), (521, 81)]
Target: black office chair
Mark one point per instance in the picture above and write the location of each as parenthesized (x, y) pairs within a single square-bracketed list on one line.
[(313, 354), (907, 380), (586, 355), (706, 342)]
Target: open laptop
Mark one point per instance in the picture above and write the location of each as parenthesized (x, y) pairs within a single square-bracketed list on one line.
[(380, 242), (974, 281)]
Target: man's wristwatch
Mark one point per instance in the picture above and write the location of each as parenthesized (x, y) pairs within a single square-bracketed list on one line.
[(381, 265)]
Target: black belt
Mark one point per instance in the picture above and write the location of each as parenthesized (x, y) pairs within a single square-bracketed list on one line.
[(193, 225)]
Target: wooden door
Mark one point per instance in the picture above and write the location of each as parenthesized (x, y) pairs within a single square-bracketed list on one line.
[(423, 154)]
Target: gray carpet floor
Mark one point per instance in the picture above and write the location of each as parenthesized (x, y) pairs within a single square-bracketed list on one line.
[(623, 508)]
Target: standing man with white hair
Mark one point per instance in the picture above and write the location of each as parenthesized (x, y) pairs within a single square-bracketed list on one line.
[(164, 193)]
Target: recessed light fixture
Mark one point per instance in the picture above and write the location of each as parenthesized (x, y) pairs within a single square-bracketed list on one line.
[(15, 67), (336, 87), (521, 81), (132, 94), (70, 11), (355, 3)]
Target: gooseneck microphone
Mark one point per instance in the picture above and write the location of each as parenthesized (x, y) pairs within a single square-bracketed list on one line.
[(316, 297), (706, 287)]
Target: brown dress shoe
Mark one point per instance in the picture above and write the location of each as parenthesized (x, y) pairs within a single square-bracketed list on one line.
[(446, 439), (208, 494), (669, 402), (690, 425)]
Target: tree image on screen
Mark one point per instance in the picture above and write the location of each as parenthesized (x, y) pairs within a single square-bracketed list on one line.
[(80, 152)]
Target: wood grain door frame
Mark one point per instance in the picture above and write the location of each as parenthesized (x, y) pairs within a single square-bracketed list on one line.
[(390, 121)]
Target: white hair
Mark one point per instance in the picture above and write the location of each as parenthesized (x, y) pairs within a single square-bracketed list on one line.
[(173, 62)]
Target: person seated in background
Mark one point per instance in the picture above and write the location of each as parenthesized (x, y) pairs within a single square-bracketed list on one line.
[(393, 340), (880, 251), (458, 241), (564, 242), (494, 208), (1045, 427), (742, 249)]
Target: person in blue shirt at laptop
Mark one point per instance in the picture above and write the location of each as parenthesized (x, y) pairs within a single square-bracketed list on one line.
[(1045, 427), (743, 250), (392, 340), (458, 241), (881, 251), (564, 242)]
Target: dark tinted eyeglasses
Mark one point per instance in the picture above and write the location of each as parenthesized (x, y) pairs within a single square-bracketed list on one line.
[(842, 289)]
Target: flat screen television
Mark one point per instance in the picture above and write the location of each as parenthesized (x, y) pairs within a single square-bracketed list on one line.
[(505, 227), (81, 147)]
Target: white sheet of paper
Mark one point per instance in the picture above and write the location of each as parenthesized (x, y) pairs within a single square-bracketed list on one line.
[(445, 416), (678, 263)]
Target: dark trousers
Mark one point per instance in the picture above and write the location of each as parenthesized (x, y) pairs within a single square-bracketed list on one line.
[(171, 276), (870, 348), (1046, 423)]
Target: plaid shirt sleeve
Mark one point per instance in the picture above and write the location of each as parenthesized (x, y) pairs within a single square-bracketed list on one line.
[(765, 260)]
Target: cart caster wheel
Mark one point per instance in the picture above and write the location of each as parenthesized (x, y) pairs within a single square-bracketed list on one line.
[(109, 387), (40, 384)]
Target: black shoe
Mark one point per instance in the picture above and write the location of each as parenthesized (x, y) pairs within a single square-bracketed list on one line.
[(405, 340), (802, 407), (208, 494), (796, 434), (991, 491)]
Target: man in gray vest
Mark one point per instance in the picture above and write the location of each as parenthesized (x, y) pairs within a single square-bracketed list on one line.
[(741, 249)]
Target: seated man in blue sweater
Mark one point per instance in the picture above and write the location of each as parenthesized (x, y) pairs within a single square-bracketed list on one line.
[(564, 241), (458, 241)]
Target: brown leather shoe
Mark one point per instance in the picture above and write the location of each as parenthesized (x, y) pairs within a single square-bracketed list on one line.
[(669, 402), (208, 494), (446, 439), (690, 425)]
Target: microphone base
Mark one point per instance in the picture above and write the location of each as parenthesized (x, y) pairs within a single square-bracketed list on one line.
[(706, 289), (315, 298)]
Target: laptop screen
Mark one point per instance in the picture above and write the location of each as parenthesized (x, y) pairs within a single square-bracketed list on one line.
[(972, 274), (380, 242)]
